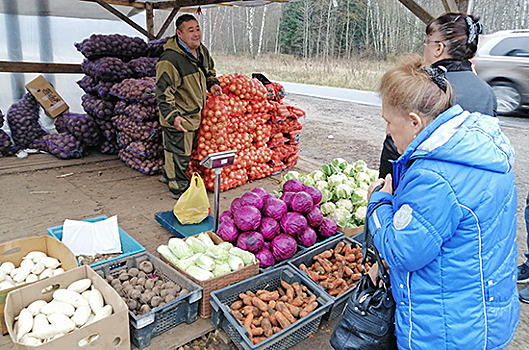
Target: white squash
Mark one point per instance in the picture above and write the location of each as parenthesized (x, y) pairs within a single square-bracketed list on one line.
[(38, 268), (96, 300), (104, 312), (58, 306), (34, 307), (81, 315), (70, 297), (80, 285), (7, 267), (50, 262), (24, 323)]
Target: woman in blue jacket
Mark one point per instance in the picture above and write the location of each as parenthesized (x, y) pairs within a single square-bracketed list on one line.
[(449, 234)]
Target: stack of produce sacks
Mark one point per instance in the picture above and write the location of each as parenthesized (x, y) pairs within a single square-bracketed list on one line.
[(343, 188), (244, 119), (201, 258), (120, 97), (272, 227), (23, 121), (6, 146)]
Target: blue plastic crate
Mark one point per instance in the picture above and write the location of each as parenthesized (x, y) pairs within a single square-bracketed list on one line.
[(168, 220), (128, 244), (301, 250), (183, 309), (222, 317), (341, 301)]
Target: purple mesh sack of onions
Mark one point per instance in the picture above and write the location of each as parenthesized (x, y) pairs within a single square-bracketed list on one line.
[(143, 66), (6, 146), (137, 131), (115, 45), (98, 108), (88, 84), (139, 111), (83, 128), (62, 146), (23, 120), (155, 47), (107, 69), (146, 157), (136, 90), (103, 89)]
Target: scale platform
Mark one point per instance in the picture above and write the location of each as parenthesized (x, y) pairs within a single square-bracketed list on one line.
[(171, 223)]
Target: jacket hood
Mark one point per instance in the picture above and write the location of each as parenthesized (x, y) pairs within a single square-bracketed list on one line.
[(461, 137), (172, 44)]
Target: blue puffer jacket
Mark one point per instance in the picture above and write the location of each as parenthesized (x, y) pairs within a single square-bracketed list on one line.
[(449, 236)]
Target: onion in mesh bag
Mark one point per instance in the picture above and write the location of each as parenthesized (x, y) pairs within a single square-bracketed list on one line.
[(23, 120), (62, 146)]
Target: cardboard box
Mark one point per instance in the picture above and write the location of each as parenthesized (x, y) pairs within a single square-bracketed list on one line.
[(111, 332), (48, 98), (14, 251), (351, 232)]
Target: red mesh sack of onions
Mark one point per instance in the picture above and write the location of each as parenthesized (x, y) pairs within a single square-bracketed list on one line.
[(115, 45), (136, 90), (143, 156), (83, 128), (155, 47), (107, 69), (88, 84), (242, 86), (143, 66), (138, 131), (98, 108), (139, 111), (23, 120), (62, 146), (6, 146)]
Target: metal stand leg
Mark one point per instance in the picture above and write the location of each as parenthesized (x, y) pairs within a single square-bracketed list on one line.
[(216, 203)]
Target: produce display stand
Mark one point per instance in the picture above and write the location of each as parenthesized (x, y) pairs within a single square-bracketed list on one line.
[(169, 221)]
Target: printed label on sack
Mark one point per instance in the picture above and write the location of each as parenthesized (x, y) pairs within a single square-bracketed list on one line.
[(402, 217)]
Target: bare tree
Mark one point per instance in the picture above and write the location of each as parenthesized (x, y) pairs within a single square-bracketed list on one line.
[(262, 31)]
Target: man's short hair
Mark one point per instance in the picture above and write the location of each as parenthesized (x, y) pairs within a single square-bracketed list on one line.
[(184, 18)]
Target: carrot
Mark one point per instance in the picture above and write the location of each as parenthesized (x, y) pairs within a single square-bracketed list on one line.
[(346, 249), (289, 289), (248, 320), (251, 310), (339, 247), (356, 277), (267, 296), (267, 327), (257, 331), (318, 268), (347, 271), (236, 305), (313, 276), (238, 315), (276, 329), (256, 340), (284, 298), (304, 288), (281, 307), (337, 282), (246, 299), (249, 331), (325, 254), (297, 302), (311, 299), (308, 309), (350, 258), (250, 293), (282, 320), (294, 310), (261, 305), (326, 285), (297, 289), (257, 322), (272, 304)]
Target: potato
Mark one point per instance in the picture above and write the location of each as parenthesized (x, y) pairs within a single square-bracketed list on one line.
[(146, 266), (155, 301), (134, 272)]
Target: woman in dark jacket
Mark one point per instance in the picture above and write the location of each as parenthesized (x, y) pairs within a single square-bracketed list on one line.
[(452, 39)]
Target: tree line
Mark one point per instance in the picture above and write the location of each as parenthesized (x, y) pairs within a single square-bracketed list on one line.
[(339, 28)]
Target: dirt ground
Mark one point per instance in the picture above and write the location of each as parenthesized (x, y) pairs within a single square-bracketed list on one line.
[(41, 192)]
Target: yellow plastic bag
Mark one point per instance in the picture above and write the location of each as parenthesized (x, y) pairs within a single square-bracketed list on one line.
[(193, 205)]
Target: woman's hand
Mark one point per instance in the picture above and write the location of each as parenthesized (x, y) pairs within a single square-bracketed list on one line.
[(387, 186)]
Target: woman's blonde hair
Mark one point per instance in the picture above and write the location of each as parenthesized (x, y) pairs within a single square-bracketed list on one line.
[(409, 88)]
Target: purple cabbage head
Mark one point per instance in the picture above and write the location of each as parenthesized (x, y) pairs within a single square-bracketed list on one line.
[(287, 198), (284, 247), (327, 228), (293, 185), (269, 228), (314, 217), (227, 231), (247, 218), (274, 208), (314, 193), (293, 223), (251, 241), (253, 199), (226, 216), (265, 258), (261, 192), (308, 237), (235, 204), (302, 202)]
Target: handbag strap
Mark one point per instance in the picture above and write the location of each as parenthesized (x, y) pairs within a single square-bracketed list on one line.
[(368, 243)]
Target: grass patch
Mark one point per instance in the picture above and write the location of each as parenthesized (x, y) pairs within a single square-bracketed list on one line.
[(356, 73)]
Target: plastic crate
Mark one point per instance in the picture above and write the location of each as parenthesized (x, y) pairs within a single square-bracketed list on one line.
[(183, 309), (222, 317), (301, 250), (128, 244), (339, 302)]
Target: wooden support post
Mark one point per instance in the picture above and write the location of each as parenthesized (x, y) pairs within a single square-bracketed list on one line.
[(167, 22), (463, 6), (125, 19), (417, 10), (450, 5), (150, 17), (32, 67)]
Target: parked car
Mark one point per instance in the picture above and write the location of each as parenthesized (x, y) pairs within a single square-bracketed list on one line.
[(502, 60)]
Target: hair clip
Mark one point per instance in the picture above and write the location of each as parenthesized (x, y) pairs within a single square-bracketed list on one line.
[(474, 29), (437, 75)]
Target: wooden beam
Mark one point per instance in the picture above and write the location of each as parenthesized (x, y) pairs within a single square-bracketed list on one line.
[(167, 22), (125, 19), (33, 67), (417, 10), (164, 5), (450, 5), (150, 17), (463, 6)]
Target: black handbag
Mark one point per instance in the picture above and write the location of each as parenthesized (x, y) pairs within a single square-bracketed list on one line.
[(368, 321)]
